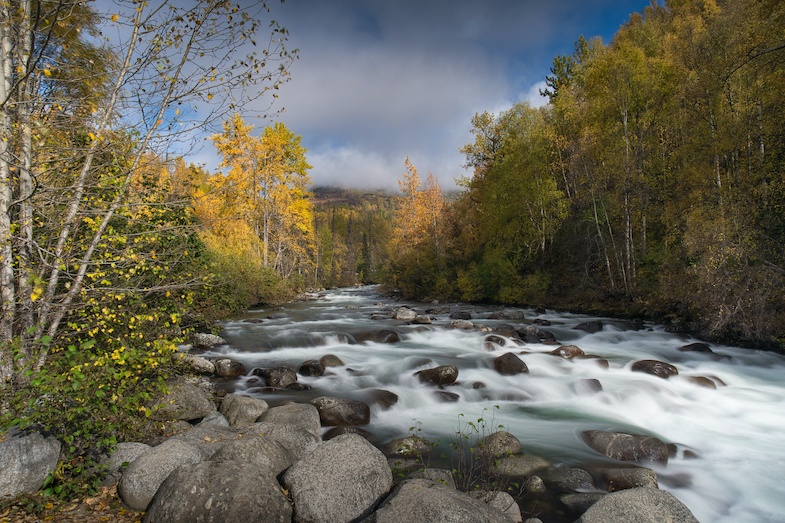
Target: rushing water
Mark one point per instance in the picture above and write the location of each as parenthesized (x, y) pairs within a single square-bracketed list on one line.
[(735, 431)]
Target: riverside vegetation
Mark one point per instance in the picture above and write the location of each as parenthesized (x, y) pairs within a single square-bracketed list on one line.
[(650, 185)]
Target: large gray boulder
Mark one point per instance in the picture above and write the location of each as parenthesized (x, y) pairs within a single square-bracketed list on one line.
[(266, 454), (124, 454), (300, 415), (341, 411), (183, 401), (297, 441), (26, 459), (242, 410), (208, 438), (638, 505), (218, 492), (418, 500), (637, 448), (142, 478), (342, 480)]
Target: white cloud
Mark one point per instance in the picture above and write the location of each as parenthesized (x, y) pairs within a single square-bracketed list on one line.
[(534, 97)]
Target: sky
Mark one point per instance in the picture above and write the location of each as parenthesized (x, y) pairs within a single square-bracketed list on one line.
[(380, 80)]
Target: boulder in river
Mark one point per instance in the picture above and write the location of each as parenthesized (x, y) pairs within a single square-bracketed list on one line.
[(341, 411), (311, 368), (226, 368), (656, 368), (442, 375), (637, 448), (589, 326), (696, 347), (242, 410), (217, 492), (509, 364), (405, 314), (629, 477), (419, 500), (568, 352), (380, 336), (642, 505), (500, 443), (203, 340), (298, 415), (342, 480), (331, 360), (278, 377)]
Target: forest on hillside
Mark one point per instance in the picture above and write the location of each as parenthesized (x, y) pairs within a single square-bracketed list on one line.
[(652, 183)]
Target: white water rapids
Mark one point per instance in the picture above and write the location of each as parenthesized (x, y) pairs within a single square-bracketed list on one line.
[(735, 431)]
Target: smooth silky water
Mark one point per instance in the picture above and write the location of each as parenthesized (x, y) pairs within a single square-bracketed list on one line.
[(735, 431)]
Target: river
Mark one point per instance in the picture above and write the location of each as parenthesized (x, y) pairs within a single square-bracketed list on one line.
[(729, 466)]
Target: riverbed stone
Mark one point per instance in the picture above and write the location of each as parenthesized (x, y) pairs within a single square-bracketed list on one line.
[(500, 443), (195, 364), (405, 314), (590, 326), (231, 369), (655, 368), (242, 410), (519, 465), (696, 347), (702, 381), (568, 352), (297, 441), (501, 501), (461, 315), (641, 505), (342, 480), (509, 365), (202, 340), (331, 360), (623, 478), (460, 324), (637, 448), (383, 398), (379, 336), (146, 473), (311, 368), (422, 319), (335, 411), (579, 502), (442, 375), (267, 454), (568, 479), (419, 500), (217, 492), (300, 415), (124, 454), (278, 377), (26, 459), (183, 401), (407, 446)]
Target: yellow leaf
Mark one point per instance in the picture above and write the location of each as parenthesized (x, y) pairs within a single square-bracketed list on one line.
[(115, 17), (209, 96), (47, 72)]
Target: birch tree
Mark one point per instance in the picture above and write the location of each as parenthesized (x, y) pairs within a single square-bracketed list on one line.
[(77, 86)]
